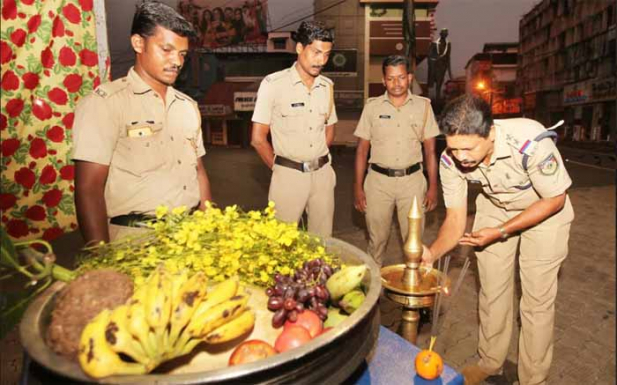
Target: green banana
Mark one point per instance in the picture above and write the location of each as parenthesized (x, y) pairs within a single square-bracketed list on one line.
[(345, 280), (233, 329), (335, 317), (352, 300), (96, 357)]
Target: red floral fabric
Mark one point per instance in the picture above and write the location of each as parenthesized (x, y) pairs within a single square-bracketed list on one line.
[(49, 60)]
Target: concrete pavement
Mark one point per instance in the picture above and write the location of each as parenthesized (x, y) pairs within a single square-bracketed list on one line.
[(585, 322)]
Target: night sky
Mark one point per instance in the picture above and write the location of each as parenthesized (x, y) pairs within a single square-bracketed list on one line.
[(471, 23)]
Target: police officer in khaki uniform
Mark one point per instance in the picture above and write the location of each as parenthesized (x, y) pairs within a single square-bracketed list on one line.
[(137, 141), (395, 127), (523, 205), (296, 106)]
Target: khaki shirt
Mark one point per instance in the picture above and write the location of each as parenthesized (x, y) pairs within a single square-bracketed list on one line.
[(296, 115), (396, 134), (152, 149), (505, 181)]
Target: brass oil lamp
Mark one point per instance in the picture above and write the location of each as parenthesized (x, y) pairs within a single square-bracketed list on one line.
[(409, 284)]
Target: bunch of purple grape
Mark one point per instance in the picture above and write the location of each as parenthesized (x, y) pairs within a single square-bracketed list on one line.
[(305, 289)]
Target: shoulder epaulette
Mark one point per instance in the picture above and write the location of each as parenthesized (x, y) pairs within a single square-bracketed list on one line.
[(327, 80), (369, 100), (106, 90), (276, 75), (445, 160), (525, 147), (183, 96), (421, 97)]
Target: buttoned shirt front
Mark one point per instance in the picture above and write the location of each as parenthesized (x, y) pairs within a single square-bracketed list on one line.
[(297, 115), (396, 133), (151, 145), (504, 180)]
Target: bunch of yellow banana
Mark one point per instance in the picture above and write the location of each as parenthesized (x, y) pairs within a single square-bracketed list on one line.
[(165, 318)]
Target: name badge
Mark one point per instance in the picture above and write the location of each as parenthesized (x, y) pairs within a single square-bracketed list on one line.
[(385, 117), (297, 105), (139, 132)]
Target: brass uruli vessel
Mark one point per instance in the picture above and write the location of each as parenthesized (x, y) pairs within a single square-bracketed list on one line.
[(409, 284)]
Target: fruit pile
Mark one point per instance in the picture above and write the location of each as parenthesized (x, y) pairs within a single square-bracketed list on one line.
[(305, 289), (166, 317)]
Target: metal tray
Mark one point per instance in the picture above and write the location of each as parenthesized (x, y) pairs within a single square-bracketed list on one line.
[(329, 358)]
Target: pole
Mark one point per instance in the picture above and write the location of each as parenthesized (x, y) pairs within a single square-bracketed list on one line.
[(409, 32)]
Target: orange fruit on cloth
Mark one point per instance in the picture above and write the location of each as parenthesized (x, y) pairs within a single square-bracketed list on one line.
[(429, 364)]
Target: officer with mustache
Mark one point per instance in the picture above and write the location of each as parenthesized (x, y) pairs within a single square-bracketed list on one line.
[(395, 127), (296, 106), (137, 140), (523, 214)]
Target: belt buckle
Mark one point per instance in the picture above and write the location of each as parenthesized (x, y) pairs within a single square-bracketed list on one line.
[(397, 173), (310, 166)]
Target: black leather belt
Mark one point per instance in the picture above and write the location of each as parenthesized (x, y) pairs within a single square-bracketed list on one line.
[(132, 220), (313, 165), (137, 219), (396, 172)]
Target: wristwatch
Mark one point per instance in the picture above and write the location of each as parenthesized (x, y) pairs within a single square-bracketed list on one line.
[(503, 232)]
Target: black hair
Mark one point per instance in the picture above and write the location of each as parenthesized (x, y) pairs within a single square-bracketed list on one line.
[(309, 31), (395, 60), (467, 115), (152, 14)]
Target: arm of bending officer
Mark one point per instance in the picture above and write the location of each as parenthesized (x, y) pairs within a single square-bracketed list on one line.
[(204, 184), (530, 217), (449, 234), (259, 141), (430, 159), (329, 134), (360, 170), (90, 180)]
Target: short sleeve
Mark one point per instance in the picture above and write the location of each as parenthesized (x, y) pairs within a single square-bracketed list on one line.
[(431, 129), (94, 131), (547, 172), (332, 118), (199, 141), (453, 184), (264, 103), (363, 129)]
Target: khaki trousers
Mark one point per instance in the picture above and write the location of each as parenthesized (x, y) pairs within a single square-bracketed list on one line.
[(293, 191), (383, 194), (117, 232), (542, 250)]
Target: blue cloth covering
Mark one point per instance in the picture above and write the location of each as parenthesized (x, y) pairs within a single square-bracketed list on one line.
[(393, 363)]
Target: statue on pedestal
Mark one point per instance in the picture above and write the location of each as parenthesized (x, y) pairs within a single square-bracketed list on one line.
[(439, 63)]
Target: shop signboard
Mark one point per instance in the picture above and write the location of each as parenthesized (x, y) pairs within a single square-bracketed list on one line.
[(244, 101), (576, 93), (214, 109), (604, 89)]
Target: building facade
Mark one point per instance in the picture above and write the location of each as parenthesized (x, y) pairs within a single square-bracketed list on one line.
[(491, 74), (567, 66)]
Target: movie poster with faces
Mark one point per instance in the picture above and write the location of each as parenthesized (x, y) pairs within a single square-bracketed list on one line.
[(227, 23)]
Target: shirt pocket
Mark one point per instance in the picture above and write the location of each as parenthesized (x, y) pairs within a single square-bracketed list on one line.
[(382, 127), (293, 116), (142, 154)]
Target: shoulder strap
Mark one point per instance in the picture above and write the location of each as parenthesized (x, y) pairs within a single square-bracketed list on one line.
[(543, 135)]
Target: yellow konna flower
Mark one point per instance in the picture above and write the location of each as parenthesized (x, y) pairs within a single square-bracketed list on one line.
[(161, 211)]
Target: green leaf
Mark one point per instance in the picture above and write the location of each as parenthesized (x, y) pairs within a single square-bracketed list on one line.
[(44, 31), (67, 205), (34, 64)]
